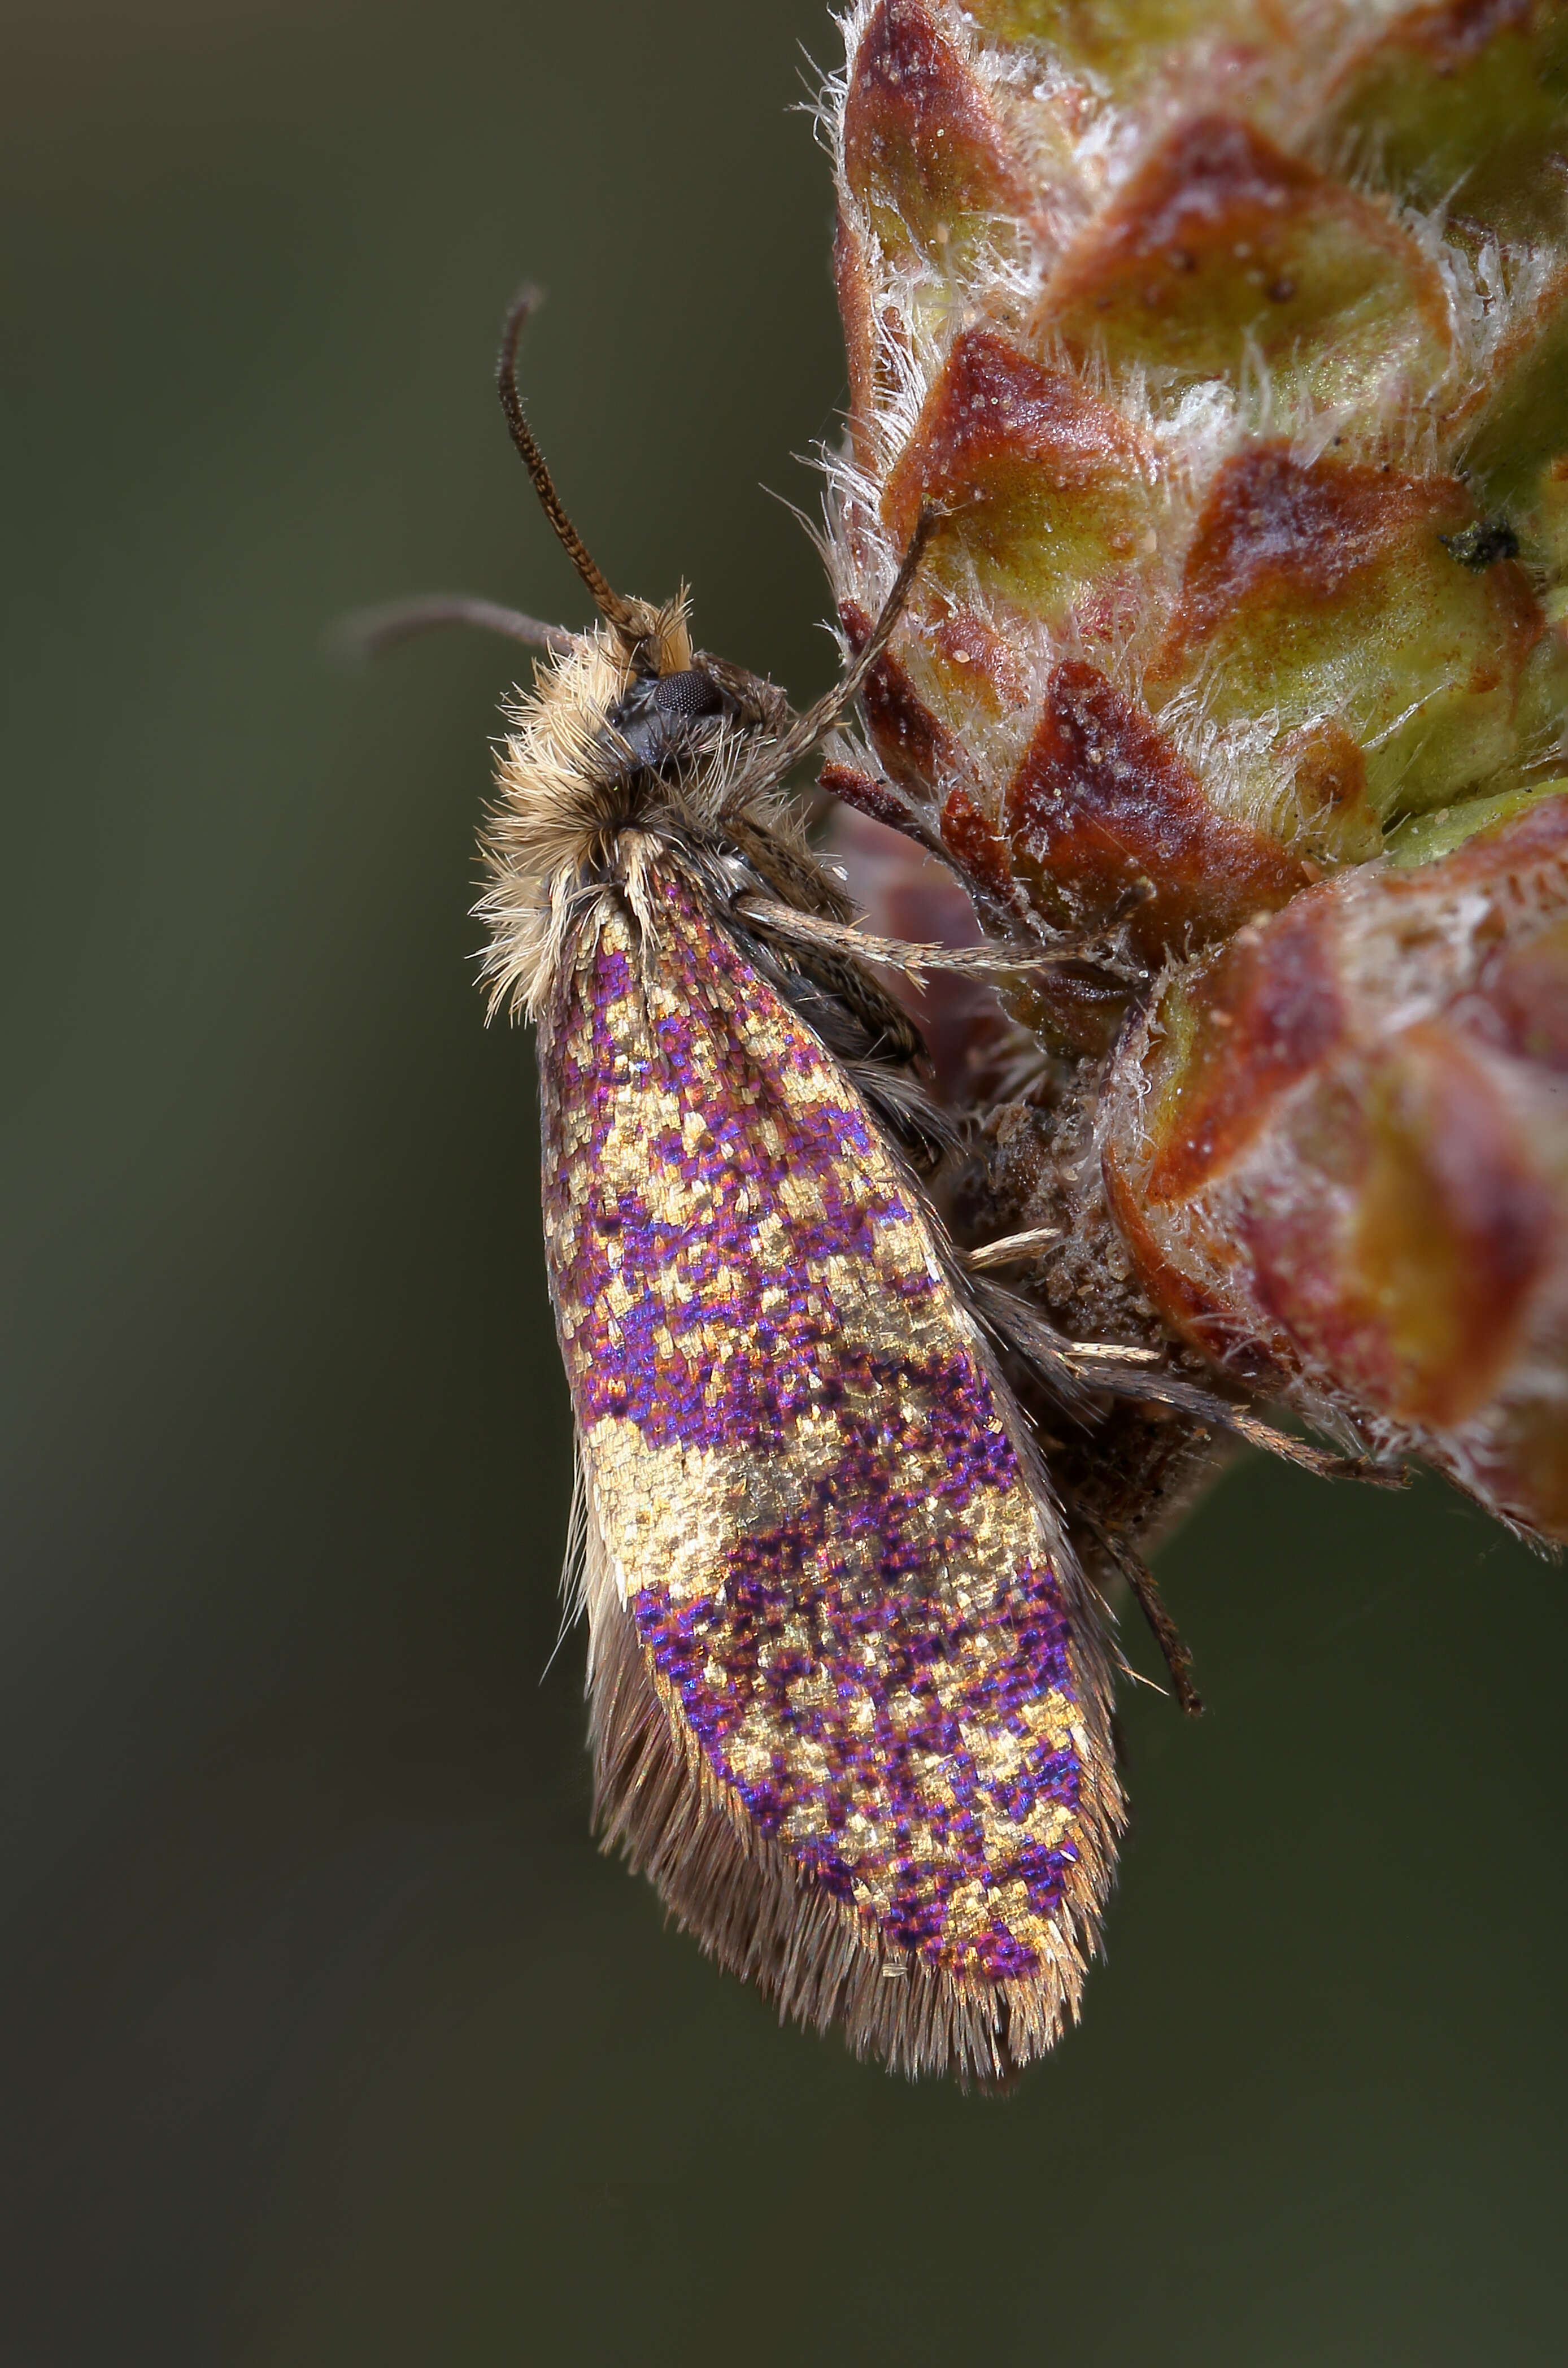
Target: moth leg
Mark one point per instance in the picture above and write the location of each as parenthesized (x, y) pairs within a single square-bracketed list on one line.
[(1108, 1366), (1012, 1250), (1176, 1652), (879, 1026), (1114, 1352), (899, 954), (757, 701), (987, 960), (796, 878), (1164, 1389)]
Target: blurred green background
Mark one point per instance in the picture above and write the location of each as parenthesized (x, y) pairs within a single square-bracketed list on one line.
[(326, 2036)]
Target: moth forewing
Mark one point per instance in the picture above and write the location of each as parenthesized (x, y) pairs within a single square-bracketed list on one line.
[(818, 1527)]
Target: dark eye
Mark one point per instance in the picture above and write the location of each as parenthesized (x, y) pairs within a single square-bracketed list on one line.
[(662, 715)]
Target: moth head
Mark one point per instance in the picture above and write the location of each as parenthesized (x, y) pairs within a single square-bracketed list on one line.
[(632, 741)]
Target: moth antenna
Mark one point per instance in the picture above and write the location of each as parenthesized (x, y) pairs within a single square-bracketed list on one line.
[(805, 732), (365, 632), (621, 615)]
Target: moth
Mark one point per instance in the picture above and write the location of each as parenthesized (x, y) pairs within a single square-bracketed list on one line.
[(850, 1685)]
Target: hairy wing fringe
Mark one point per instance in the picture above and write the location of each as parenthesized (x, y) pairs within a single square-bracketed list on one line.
[(657, 1800)]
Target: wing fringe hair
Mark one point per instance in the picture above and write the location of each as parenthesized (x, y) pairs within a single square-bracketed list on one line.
[(657, 1800)]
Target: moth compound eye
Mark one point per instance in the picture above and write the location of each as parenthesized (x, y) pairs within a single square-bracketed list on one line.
[(664, 715)]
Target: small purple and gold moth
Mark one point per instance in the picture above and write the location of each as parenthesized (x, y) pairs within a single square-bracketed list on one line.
[(850, 1702), (850, 1689)]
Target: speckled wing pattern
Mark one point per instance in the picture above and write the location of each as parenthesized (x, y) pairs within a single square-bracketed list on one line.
[(813, 1494)]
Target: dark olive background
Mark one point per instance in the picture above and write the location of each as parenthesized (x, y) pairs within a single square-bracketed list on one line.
[(326, 2036)]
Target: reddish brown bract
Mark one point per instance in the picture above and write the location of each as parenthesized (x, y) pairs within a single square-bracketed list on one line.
[(1232, 341)]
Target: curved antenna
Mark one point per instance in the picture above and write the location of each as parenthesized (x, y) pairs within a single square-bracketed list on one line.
[(366, 633), (623, 615)]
